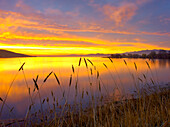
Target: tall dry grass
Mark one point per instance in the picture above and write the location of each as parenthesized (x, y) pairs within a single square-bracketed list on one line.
[(149, 106)]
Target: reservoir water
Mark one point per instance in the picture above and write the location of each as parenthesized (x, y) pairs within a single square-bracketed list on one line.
[(115, 78)]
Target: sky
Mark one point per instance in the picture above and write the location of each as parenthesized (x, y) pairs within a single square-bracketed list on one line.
[(62, 27)]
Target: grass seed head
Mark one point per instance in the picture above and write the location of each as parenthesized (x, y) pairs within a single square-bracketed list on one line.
[(110, 60), (82, 93), (47, 77), (79, 62), (125, 62), (90, 62), (70, 80), (97, 74), (11, 109), (91, 71), (30, 107), (47, 99), (140, 80), (73, 68), (36, 85), (152, 81), (144, 76), (86, 63), (37, 78), (148, 65), (21, 68), (43, 101), (99, 87), (135, 66), (105, 65), (57, 79)]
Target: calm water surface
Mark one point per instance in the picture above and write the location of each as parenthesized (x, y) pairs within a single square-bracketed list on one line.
[(118, 75)]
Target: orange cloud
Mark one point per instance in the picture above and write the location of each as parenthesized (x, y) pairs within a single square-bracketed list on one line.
[(11, 21), (139, 2), (120, 14)]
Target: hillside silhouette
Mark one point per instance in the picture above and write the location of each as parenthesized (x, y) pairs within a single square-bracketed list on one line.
[(9, 54)]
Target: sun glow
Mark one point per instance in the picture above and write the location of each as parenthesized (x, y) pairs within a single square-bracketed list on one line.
[(65, 44), (51, 50), (34, 45), (41, 50)]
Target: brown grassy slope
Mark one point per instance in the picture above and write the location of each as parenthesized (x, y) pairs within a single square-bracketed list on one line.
[(9, 54)]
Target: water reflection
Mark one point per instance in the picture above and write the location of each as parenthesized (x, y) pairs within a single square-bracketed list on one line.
[(163, 63), (115, 75)]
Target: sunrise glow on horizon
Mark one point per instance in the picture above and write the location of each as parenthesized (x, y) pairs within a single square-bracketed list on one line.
[(83, 26)]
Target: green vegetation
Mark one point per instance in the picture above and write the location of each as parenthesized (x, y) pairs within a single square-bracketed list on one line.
[(162, 54), (146, 107)]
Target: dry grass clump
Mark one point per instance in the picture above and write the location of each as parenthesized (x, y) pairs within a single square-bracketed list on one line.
[(149, 110)]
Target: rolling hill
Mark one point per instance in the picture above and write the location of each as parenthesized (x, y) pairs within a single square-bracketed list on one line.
[(9, 54)]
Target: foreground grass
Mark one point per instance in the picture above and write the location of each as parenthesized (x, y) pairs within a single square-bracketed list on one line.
[(147, 107), (148, 110)]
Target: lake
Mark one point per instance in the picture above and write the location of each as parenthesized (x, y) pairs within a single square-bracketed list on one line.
[(115, 79)]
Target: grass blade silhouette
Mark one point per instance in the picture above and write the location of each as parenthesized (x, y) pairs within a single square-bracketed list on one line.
[(21, 68)]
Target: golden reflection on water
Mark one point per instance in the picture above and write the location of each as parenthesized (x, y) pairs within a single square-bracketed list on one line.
[(62, 66)]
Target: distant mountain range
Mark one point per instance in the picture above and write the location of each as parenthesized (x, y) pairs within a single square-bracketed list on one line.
[(135, 52), (145, 51), (9, 54), (144, 54)]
